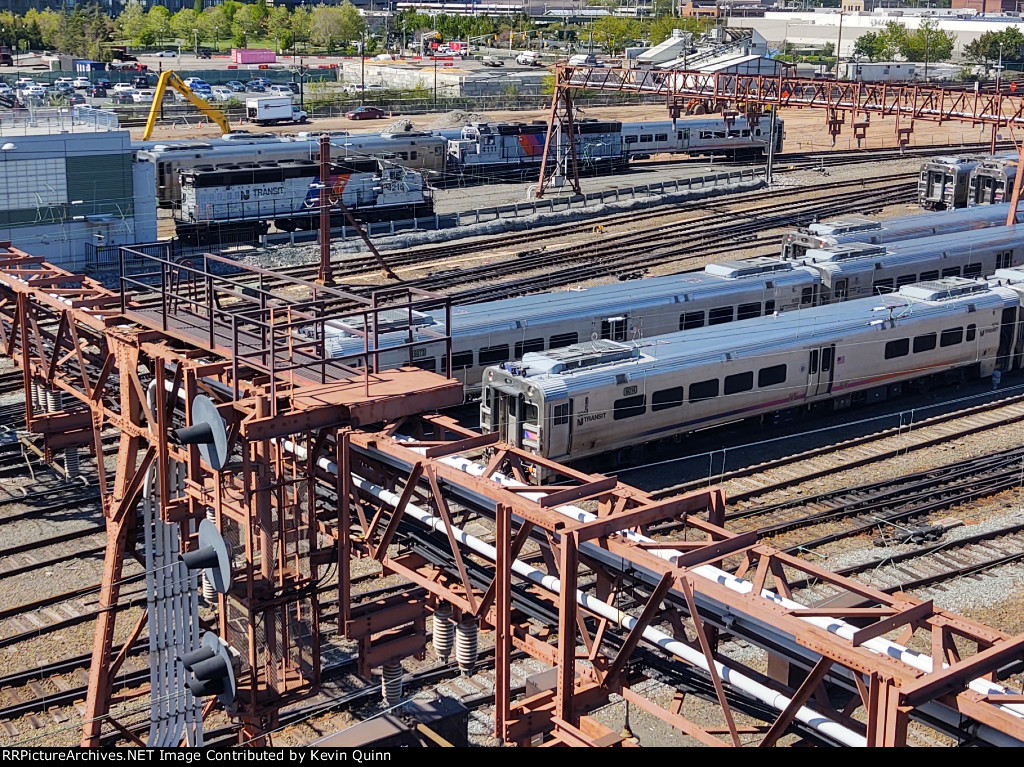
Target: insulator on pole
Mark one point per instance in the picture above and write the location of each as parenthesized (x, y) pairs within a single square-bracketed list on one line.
[(444, 631)]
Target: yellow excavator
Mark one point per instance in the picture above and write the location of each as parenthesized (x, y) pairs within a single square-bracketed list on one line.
[(168, 78)]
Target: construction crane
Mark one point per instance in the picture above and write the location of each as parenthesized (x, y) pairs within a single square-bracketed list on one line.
[(168, 78)]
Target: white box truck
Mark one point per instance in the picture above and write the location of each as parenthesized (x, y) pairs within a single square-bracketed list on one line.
[(269, 110)]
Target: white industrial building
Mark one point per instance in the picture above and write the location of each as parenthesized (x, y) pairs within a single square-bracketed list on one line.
[(70, 183)]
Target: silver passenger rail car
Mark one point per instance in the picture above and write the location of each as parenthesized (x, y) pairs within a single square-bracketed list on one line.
[(736, 139), (944, 182), (992, 181), (490, 333), (840, 231), (609, 398), (858, 270)]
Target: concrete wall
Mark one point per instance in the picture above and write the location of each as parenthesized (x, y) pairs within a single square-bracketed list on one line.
[(451, 80)]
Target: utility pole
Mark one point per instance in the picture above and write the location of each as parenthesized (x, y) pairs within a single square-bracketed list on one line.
[(326, 276)]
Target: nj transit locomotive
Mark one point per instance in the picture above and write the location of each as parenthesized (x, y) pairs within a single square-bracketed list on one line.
[(241, 201), (607, 396), (420, 151)]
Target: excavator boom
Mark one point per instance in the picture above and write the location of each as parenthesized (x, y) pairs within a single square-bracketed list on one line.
[(169, 78)]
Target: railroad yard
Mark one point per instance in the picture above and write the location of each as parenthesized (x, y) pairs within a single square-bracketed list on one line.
[(363, 506)]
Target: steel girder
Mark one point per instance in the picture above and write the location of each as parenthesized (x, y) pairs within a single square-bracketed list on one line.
[(804, 650)]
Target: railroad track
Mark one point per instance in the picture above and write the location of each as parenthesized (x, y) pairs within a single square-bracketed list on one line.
[(853, 511), (54, 687), (745, 483), (927, 566), (795, 209)]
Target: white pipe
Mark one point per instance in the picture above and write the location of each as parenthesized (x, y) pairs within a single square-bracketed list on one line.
[(683, 651)]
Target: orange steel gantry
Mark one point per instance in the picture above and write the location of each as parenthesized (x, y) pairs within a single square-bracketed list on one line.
[(331, 462), (685, 91)]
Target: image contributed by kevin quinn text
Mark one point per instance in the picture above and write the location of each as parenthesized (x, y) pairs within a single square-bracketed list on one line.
[(203, 755)]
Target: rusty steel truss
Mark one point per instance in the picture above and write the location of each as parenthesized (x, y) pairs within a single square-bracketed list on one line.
[(332, 463), (688, 92)]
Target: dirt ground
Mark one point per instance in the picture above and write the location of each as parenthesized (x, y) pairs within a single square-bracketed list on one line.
[(806, 129)]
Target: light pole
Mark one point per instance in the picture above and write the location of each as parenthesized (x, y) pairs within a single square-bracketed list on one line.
[(927, 40), (435, 80), (999, 71), (839, 43)]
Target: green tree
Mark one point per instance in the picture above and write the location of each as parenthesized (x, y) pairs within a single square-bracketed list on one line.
[(353, 24), (661, 29), (988, 47), (247, 22), (185, 25), (279, 25), (928, 43), (47, 24), (158, 21), (214, 25), (131, 21), (616, 33), (871, 46), (197, 7), (302, 24)]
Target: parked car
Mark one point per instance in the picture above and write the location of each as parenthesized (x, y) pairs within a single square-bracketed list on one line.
[(204, 53), (142, 97), (366, 113), (6, 90), (103, 82), (294, 88), (254, 87), (69, 80), (33, 90), (120, 87), (235, 86), (140, 82), (280, 90), (97, 92), (166, 54), (123, 97), (81, 83), (77, 100), (192, 82), (222, 93), (63, 88)]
